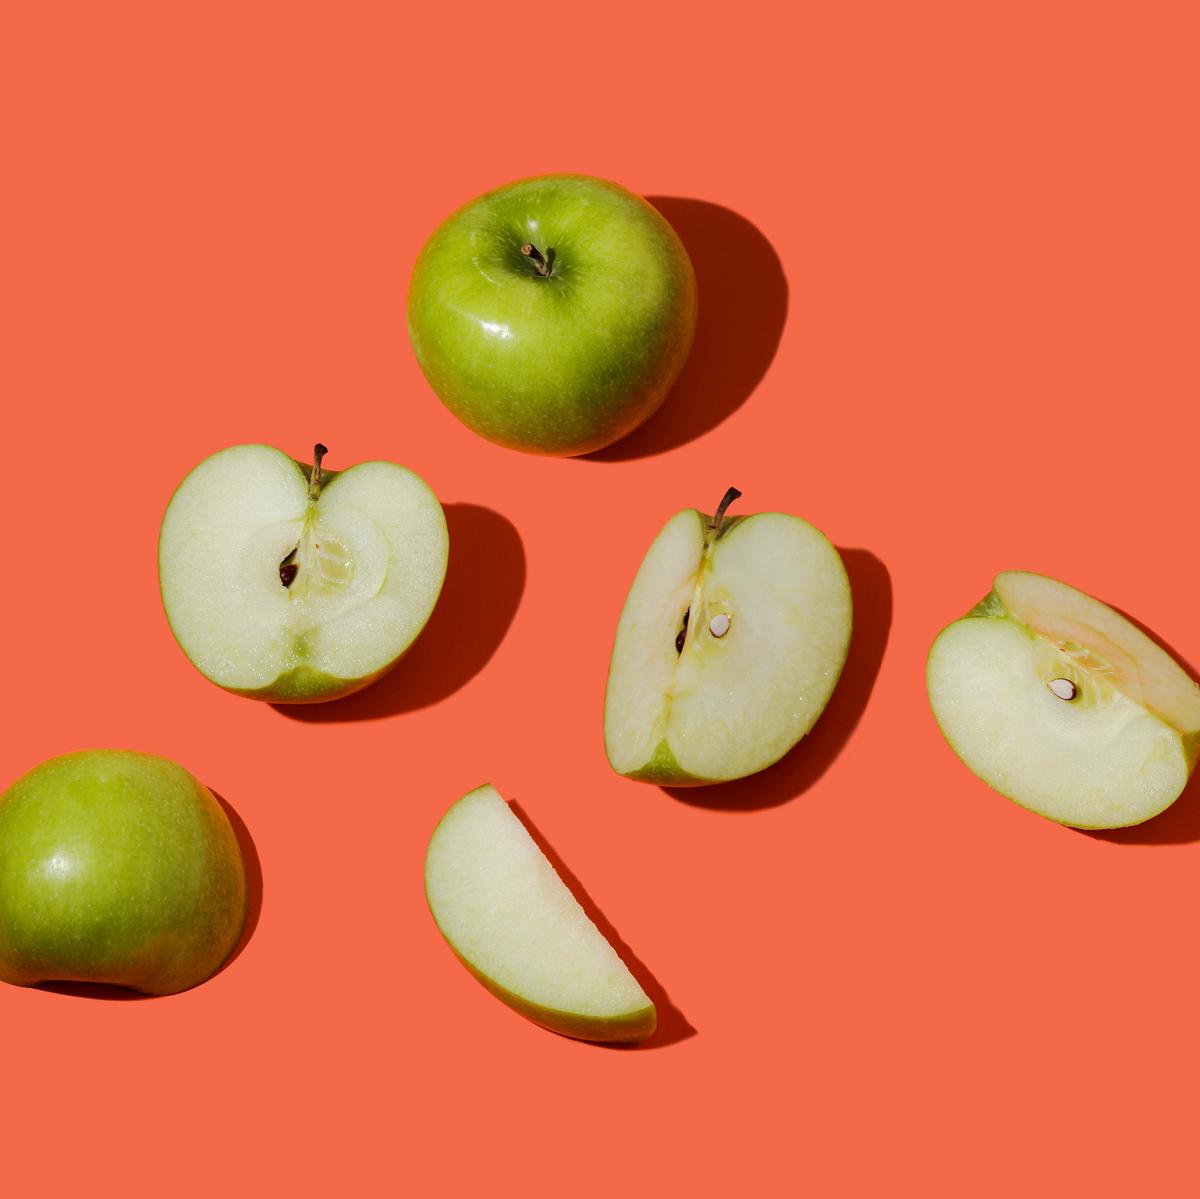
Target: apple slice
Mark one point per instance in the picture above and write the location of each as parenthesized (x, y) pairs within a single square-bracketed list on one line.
[(730, 644), (294, 585), (1063, 705), (515, 925)]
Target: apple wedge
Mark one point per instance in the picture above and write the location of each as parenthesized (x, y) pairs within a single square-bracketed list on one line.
[(1063, 705), (514, 924), (729, 646), (294, 584)]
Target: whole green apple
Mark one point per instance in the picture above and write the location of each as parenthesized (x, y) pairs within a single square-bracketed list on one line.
[(554, 314), (119, 868)]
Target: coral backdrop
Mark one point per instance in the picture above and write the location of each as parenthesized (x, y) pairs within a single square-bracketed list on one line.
[(947, 256)]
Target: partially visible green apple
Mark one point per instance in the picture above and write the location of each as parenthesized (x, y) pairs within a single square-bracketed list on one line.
[(294, 584), (119, 868), (554, 314)]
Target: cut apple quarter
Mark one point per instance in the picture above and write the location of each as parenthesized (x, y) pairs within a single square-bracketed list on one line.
[(729, 646), (1063, 705), (294, 584), (515, 925)]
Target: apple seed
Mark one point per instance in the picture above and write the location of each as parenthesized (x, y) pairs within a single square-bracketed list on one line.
[(1064, 688), (288, 568), (719, 625)]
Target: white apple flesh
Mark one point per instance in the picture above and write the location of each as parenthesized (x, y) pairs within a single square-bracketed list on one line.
[(515, 925), (729, 646), (1063, 705), (293, 586)]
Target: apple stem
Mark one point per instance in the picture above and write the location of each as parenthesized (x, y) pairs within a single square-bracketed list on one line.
[(731, 495), (531, 251), (314, 479)]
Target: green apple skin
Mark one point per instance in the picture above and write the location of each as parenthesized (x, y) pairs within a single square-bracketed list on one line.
[(565, 363), (119, 868), (663, 770), (634, 1026)]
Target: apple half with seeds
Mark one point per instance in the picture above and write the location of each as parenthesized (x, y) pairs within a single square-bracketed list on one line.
[(293, 584), (729, 646), (516, 926), (1063, 705)]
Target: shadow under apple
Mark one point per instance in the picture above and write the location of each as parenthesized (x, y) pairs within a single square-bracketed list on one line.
[(672, 1024), (485, 578), (799, 769), (743, 306), (254, 898)]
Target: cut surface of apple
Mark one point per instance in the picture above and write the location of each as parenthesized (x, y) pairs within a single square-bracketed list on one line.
[(513, 922), (295, 584), (729, 646), (1063, 705)]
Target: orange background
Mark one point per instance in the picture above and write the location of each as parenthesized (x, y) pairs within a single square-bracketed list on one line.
[(948, 259)]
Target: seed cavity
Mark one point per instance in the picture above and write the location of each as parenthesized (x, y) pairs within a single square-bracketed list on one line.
[(681, 637), (1064, 688), (719, 625)]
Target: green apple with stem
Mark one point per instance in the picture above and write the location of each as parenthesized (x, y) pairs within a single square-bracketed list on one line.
[(730, 644), (291, 583), (516, 926), (554, 314), (1062, 704), (117, 868)]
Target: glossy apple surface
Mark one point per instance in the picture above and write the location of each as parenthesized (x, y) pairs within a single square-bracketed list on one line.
[(515, 925), (119, 868), (564, 349), (1063, 705), (729, 646), (293, 584)]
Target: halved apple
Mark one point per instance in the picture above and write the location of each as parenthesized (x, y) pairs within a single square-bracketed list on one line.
[(514, 924), (294, 584), (1063, 705), (730, 644)]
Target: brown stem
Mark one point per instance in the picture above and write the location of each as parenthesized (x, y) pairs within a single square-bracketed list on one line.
[(731, 495), (531, 251), (315, 477)]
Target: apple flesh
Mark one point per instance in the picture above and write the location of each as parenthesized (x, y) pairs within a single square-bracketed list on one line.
[(514, 924), (116, 868), (292, 584), (730, 644), (554, 314), (1063, 705)]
